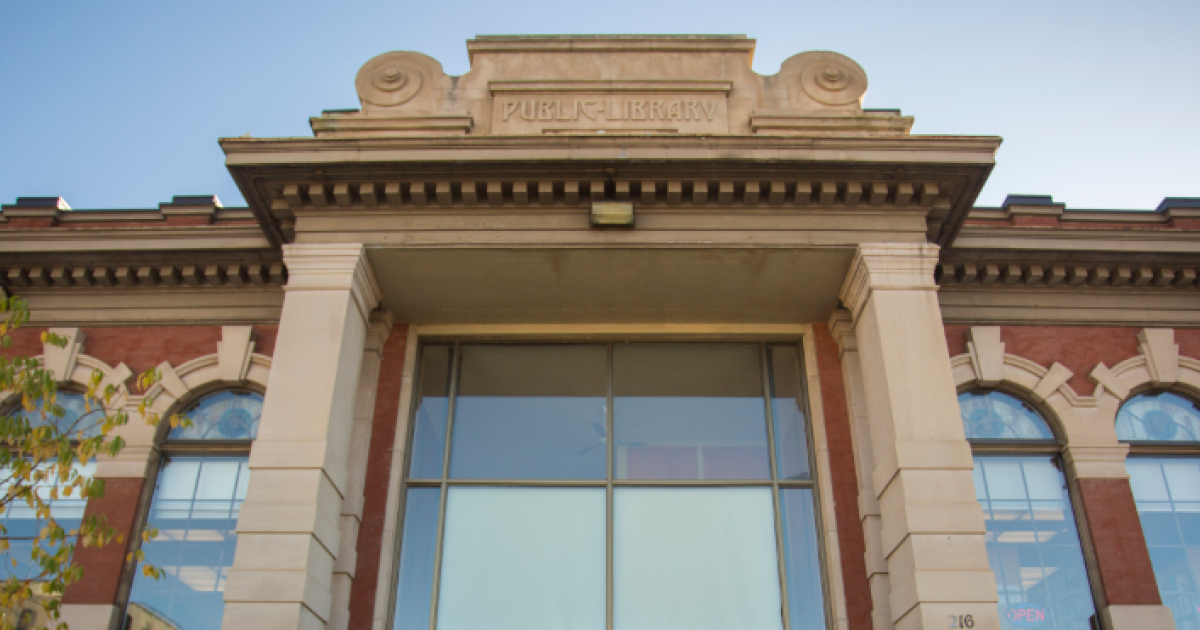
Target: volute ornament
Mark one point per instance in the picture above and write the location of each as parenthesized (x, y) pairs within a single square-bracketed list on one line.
[(394, 78), (828, 77)]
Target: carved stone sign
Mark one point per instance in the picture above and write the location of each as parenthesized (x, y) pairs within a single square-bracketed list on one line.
[(610, 106)]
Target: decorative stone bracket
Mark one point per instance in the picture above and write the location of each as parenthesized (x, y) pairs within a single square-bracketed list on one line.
[(1086, 423), (234, 364)]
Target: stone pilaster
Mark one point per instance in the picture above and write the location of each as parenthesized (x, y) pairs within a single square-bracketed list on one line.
[(931, 525), (289, 530), (380, 326), (841, 327)]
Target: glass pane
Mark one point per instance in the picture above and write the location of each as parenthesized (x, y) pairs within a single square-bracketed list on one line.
[(429, 422), (1033, 546), (787, 410), (806, 607), (224, 415), (695, 559), (995, 415), (195, 508), (71, 415), (530, 412), (1163, 491), (414, 586), (1159, 417), (528, 558), (693, 411), (21, 522)]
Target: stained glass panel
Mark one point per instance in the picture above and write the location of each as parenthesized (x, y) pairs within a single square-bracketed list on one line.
[(226, 415), (76, 415), (994, 415), (1159, 417)]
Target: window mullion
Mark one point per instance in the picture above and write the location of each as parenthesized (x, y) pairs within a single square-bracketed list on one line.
[(611, 457), (437, 561), (780, 561)]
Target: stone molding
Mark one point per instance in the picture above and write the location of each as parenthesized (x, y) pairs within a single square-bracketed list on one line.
[(1085, 424), (322, 267), (888, 267)]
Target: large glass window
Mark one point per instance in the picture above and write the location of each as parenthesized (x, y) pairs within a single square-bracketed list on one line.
[(198, 493), (1164, 472), (630, 486), (1032, 541)]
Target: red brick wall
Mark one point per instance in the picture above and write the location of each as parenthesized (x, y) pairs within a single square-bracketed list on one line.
[(103, 566), (375, 491), (1189, 342), (1122, 559), (844, 480)]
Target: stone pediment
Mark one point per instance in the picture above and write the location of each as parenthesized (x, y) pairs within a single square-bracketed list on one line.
[(583, 85)]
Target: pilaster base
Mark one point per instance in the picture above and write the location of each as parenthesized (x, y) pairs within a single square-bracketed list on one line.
[(1137, 618)]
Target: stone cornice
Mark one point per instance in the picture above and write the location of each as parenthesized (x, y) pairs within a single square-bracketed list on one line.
[(607, 43), (888, 267), (912, 149), (16, 276), (1060, 275), (321, 267), (1096, 238), (149, 237)]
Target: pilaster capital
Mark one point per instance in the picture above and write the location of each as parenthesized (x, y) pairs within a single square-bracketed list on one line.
[(888, 266), (1097, 462), (379, 328), (841, 327), (333, 267)]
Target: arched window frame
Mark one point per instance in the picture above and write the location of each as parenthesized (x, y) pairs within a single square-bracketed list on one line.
[(986, 367), (1158, 367), (73, 372), (1149, 447), (234, 367), (1052, 446)]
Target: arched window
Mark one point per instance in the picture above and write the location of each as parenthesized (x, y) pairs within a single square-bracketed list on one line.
[(198, 493), (21, 522), (1163, 430), (1032, 541), (72, 416)]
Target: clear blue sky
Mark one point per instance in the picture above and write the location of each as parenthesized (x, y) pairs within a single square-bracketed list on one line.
[(119, 104)]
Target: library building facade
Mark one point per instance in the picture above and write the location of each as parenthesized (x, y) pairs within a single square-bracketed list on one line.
[(614, 333)]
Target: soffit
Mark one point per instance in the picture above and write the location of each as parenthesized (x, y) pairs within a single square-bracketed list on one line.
[(614, 286)]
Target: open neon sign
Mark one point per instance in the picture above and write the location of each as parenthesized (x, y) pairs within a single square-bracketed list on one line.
[(1026, 615)]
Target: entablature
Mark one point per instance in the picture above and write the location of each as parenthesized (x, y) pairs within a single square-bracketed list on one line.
[(930, 181)]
